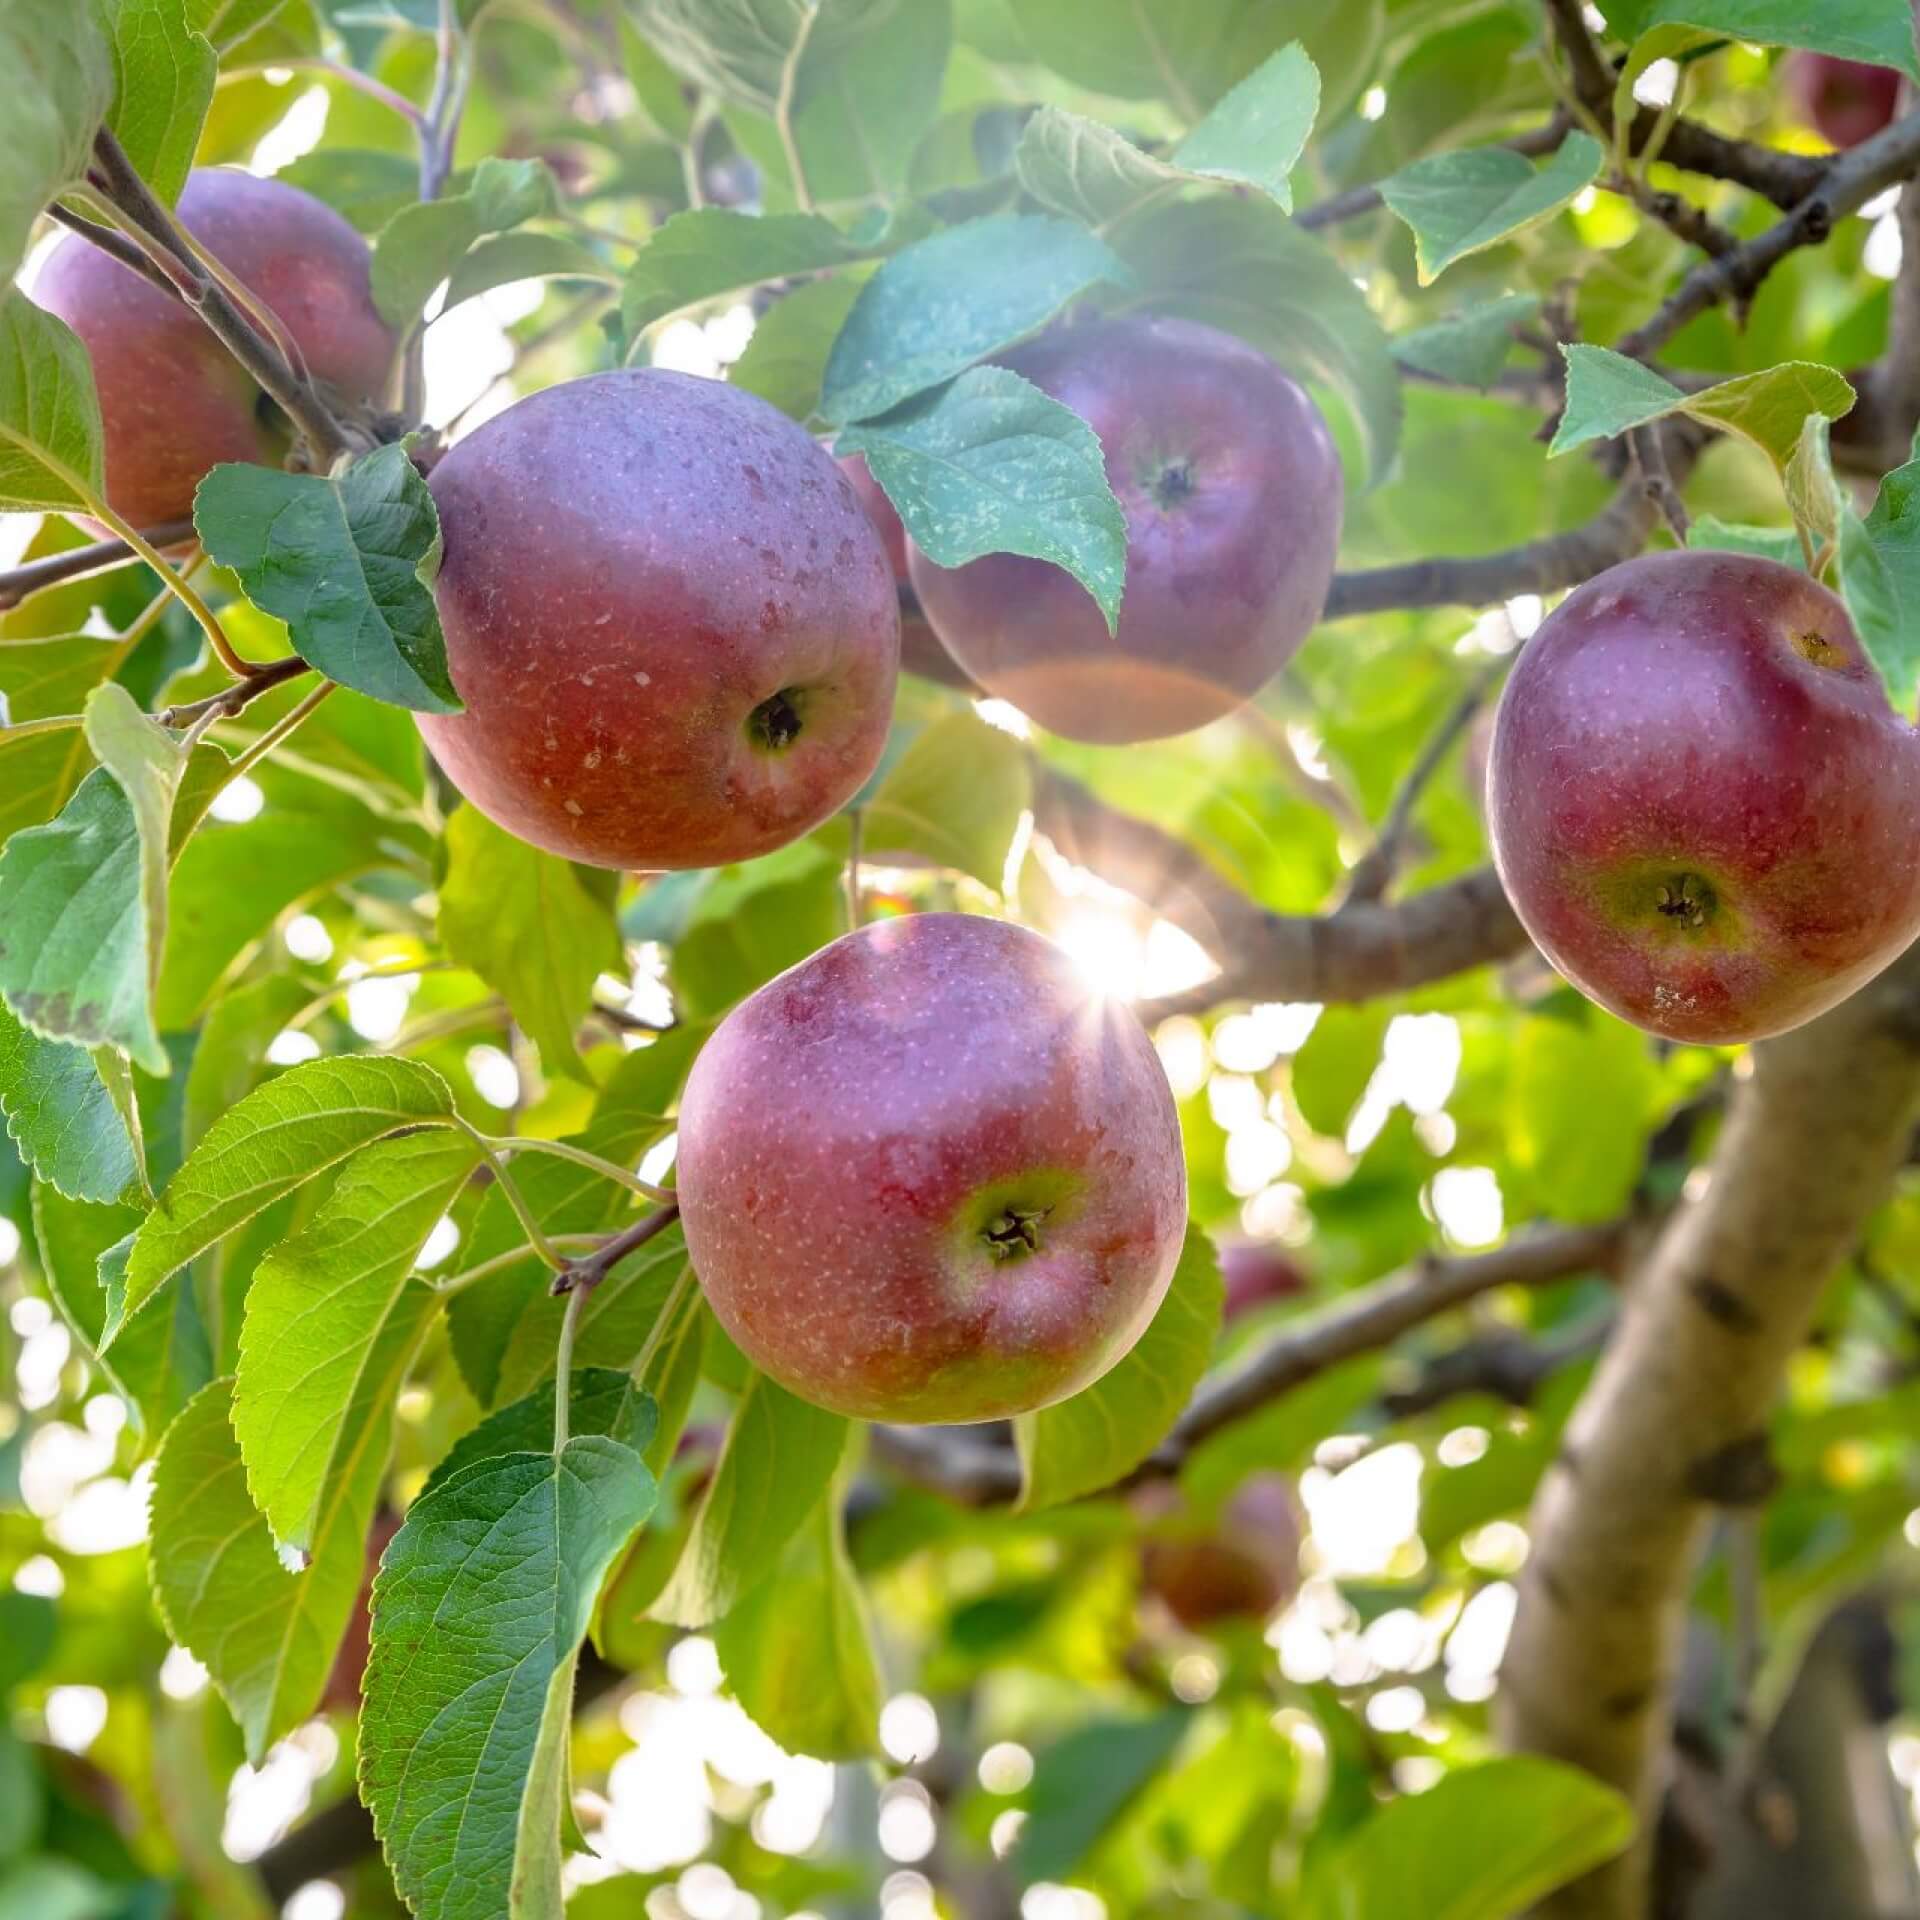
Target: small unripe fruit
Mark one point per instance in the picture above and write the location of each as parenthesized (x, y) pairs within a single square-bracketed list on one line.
[(1232, 494), (1255, 1273), (672, 624), (174, 402), (927, 1175), (1702, 806), (1244, 1568), (1844, 101)]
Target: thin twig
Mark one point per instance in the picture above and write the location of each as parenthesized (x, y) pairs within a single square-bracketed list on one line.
[(584, 1275), (31, 576), (229, 700), (1373, 872), (1650, 456), (112, 241)]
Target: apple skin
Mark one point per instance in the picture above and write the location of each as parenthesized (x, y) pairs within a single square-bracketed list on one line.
[(928, 1175), (1256, 1272), (1702, 806), (1843, 101), (644, 573), (1245, 1568), (173, 402), (1232, 493), (920, 648)]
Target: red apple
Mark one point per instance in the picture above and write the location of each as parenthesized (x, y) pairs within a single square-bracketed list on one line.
[(920, 648), (672, 624), (928, 1175), (1843, 101), (1702, 806), (1246, 1567), (173, 401), (1256, 1272), (1232, 495)]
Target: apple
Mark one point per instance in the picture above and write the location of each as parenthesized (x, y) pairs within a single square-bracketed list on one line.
[(1232, 494), (1256, 1272), (1702, 806), (930, 1175), (173, 402), (1245, 1568), (1844, 101), (920, 648), (671, 622)]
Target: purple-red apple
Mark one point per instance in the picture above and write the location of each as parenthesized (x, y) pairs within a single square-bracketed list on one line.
[(1702, 806), (671, 622), (1843, 101), (1244, 1568), (1256, 1272), (173, 401), (1232, 494), (929, 1175), (920, 648)]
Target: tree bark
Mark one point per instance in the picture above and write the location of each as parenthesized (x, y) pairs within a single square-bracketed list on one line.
[(1673, 1423)]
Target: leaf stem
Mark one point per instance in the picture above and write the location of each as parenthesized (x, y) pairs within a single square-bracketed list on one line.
[(500, 1262), (182, 590), (855, 824), (563, 1365), (783, 107), (581, 1157), (287, 724), (666, 1323), (536, 1239)]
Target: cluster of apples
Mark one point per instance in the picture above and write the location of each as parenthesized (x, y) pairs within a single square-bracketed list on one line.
[(928, 1174)]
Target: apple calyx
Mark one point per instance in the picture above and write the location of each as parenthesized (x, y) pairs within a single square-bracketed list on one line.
[(774, 724), (1014, 1232), (1687, 899)]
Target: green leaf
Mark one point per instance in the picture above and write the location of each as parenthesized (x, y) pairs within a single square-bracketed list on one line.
[(1241, 265), (229, 1059), (44, 679), (333, 1322), (61, 1116), (1769, 543), (740, 937), (74, 956), (59, 71), (798, 1650), (478, 1613), (266, 1636), (1331, 1071), (28, 1624), (955, 796), (1104, 1431), (1484, 1844), (1608, 394), (780, 1456), (422, 244), (1463, 202), (713, 252), (158, 1365), (363, 186), (1471, 347), (504, 257), (953, 299), (1083, 1783), (1869, 30), (50, 1888), (49, 413), (345, 559), (1254, 137), (1580, 1099), (786, 359), (39, 772), (163, 86), (1813, 489), (275, 1140), (744, 50), (1880, 579), (528, 925), (603, 1400), (990, 464)]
